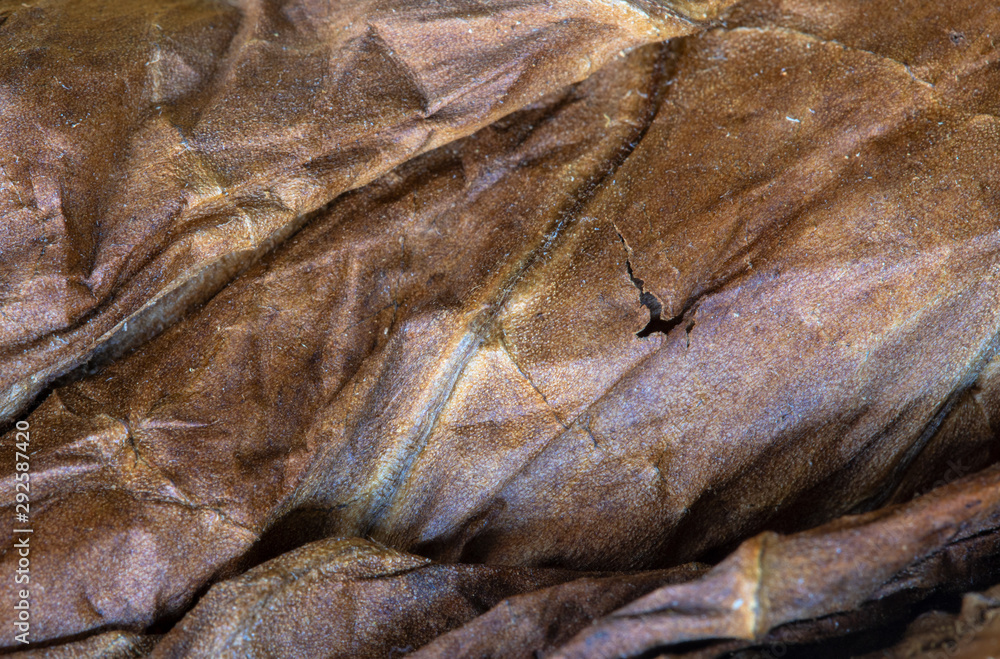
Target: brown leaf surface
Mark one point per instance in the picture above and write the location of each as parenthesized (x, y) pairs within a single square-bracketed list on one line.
[(772, 580), (151, 150), (754, 595), (386, 603), (742, 282), (207, 439)]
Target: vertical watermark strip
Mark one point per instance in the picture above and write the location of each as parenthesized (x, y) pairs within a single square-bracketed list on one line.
[(22, 533)]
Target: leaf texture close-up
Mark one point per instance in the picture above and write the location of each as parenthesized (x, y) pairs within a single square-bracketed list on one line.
[(500, 328)]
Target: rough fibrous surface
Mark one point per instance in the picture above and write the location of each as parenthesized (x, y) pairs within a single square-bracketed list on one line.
[(150, 149), (571, 329)]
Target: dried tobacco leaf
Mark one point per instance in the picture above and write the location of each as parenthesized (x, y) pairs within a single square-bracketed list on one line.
[(181, 454), (151, 150), (743, 282), (880, 557), (386, 603), (826, 270), (952, 49)]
